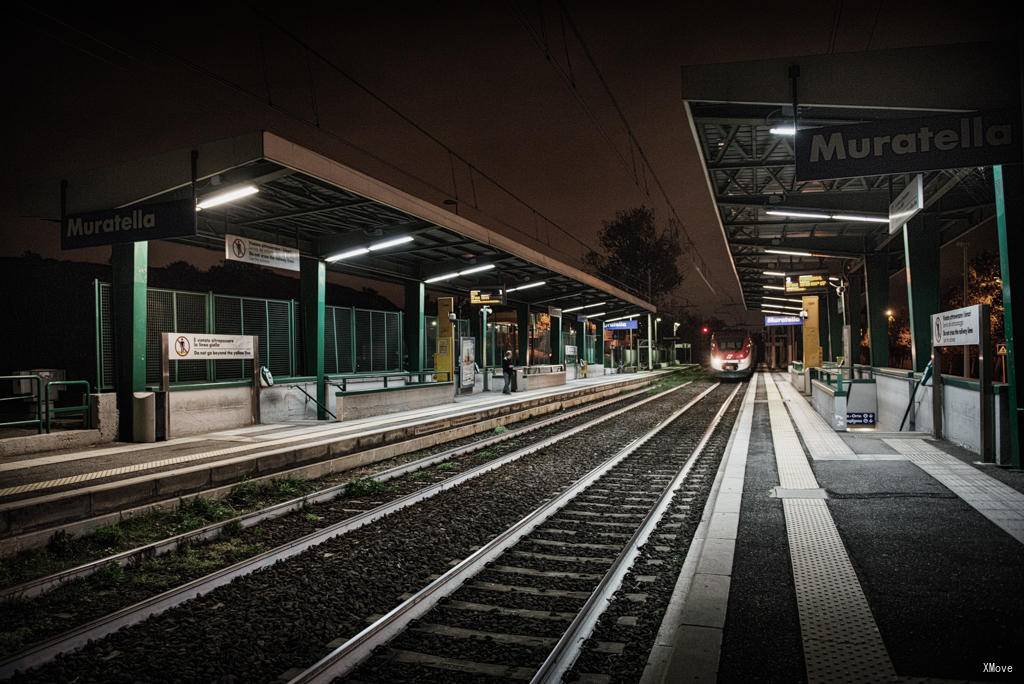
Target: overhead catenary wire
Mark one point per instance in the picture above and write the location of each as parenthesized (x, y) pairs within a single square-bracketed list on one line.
[(265, 100)]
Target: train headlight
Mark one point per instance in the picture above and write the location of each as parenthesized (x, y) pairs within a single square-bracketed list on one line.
[(716, 363)]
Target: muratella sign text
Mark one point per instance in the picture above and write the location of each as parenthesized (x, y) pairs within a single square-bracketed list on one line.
[(907, 145), (131, 224)]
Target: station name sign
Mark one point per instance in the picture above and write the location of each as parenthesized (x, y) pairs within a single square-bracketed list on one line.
[(957, 327), (908, 145), (131, 224), (773, 321), (186, 346), (630, 324)]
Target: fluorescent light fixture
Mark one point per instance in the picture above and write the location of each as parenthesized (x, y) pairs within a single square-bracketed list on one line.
[(787, 252), (798, 214), (774, 273), (390, 243), (359, 251), (220, 198), (456, 274), (446, 276), (599, 313), (579, 308), (774, 287), (622, 318), (789, 300), (865, 219), (347, 254), (826, 216), (526, 287), (782, 130), (476, 269)]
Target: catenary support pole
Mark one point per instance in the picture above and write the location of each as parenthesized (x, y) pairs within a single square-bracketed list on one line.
[(835, 325), (129, 271), (523, 332), (313, 286)]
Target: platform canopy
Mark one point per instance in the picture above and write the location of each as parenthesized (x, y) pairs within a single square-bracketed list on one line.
[(323, 208), (742, 118)]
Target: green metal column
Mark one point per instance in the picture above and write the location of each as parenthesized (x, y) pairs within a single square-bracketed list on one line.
[(313, 288), (823, 326), (855, 307), (414, 325), (921, 250), (522, 331), (130, 269), (556, 339), (876, 274), (835, 325), (600, 342), (1009, 191)]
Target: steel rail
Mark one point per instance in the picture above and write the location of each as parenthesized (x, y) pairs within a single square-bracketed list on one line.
[(42, 585), (41, 653), (561, 659), (349, 655)]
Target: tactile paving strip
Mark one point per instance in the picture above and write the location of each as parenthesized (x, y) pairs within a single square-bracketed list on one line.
[(1000, 503), (821, 440), (794, 470), (840, 639)]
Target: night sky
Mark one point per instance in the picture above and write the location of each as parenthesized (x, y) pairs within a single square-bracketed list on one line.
[(508, 87)]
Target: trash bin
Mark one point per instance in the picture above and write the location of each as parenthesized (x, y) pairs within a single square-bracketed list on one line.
[(143, 417)]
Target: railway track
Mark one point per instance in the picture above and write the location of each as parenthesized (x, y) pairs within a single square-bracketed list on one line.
[(523, 606), (542, 434)]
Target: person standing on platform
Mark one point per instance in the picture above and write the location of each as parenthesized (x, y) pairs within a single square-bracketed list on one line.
[(508, 370)]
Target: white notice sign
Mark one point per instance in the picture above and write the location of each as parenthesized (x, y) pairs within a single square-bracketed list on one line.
[(907, 204), (957, 327), (184, 346), (238, 248)]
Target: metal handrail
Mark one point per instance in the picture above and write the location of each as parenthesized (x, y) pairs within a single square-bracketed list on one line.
[(313, 399), (343, 386), (38, 420), (85, 409)]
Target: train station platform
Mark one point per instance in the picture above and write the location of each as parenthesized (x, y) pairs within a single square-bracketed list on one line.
[(42, 492), (831, 556)]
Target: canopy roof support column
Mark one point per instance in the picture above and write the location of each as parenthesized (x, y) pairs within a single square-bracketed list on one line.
[(130, 270), (835, 324), (556, 339), (1009, 191), (414, 326), (523, 331), (876, 269), (921, 249), (313, 287)]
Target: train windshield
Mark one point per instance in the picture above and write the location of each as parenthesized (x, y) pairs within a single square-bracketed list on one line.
[(730, 343)]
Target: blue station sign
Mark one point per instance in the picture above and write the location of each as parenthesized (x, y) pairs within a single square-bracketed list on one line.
[(631, 324), (130, 224), (772, 321)]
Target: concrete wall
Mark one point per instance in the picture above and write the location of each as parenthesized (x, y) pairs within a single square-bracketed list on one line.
[(195, 412), (365, 404), (284, 403), (539, 380), (892, 394), (830, 407)]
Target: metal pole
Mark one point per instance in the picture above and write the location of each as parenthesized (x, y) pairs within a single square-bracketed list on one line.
[(967, 349), (255, 396), (483, 349), (650, 344), (936, 392), (165, 380), (985, 386)]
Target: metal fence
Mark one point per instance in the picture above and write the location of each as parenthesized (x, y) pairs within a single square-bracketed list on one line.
[(355, 340)]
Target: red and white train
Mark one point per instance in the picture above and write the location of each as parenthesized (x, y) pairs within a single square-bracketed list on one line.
[(732, 354)]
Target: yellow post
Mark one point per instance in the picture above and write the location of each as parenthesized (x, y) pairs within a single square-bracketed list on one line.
[(444, 356), (812, 343)]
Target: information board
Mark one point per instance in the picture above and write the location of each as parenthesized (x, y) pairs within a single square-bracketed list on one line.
[(957, 327), (772, 321), (803, 283), (238, 248), (493, 295), (631, 324), (205, 347)]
